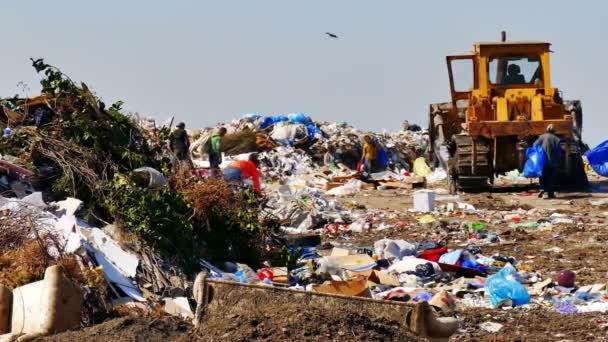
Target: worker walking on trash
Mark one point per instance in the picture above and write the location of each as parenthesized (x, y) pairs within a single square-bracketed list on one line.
[(240, 170), (180, 143), (215, 151), (370, 155), (550, 143)]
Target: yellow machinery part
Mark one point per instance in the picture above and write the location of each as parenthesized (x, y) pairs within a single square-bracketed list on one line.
[(537, 108), (502, 110)]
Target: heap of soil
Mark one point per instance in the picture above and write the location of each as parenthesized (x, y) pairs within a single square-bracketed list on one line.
[(272, 323), (128, 329)]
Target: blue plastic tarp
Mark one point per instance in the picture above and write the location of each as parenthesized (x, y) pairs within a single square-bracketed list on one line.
[(598, 159), (537, 158)]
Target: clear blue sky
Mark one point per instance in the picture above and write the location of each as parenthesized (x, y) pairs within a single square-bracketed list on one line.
[(210, 61)]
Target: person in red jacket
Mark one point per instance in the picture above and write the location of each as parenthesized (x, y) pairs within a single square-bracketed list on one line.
[(240, 170)]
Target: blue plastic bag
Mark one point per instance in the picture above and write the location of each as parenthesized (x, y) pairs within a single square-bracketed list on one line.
[(537, 158), (300, 118), (382, 159), (598, 159), (314, 131), (505, 285)]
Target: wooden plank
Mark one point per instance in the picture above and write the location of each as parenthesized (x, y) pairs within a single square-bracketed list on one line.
[(397, 185), (343, 178), (415, 180), (332, 185), (368, 186)]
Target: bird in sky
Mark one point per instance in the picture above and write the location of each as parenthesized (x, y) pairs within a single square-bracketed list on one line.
[(331, 35)]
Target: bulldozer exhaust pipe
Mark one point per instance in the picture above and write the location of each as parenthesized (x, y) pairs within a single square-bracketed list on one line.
[(503, 36)]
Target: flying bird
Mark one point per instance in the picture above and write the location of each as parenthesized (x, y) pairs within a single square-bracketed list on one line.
[(331, 35)]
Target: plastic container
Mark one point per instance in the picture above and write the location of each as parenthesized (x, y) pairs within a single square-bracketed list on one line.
[(424, 201)]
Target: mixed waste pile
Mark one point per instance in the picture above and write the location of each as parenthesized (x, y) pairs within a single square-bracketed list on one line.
[(93, 200), (69, 165), (320, 143)]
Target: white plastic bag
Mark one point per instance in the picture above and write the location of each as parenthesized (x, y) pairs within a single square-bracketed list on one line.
[(352, 187)]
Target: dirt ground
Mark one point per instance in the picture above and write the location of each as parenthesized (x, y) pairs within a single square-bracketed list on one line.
[(580, 246), (128, 329)]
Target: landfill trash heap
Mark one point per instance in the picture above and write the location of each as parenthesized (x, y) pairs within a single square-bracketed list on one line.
[(86, 188), (295, 144), (92, 201)]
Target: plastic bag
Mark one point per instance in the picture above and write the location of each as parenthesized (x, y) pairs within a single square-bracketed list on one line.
[(352, 187), (598, 159), (314, 132), (271, 120), (421, 168), (505, 285), (246, 274), (382, 162), (299, 118), (157, 179), (537, 158), (437, 176)]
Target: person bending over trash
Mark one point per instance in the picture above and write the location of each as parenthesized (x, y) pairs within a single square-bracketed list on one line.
[(550, 143), (215, 151), (370, 155), (240, 170)]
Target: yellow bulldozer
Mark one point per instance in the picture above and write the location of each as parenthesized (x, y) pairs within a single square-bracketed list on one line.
[(502, 100)]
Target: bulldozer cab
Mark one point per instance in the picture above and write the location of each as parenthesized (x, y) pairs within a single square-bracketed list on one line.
[(496, 67)]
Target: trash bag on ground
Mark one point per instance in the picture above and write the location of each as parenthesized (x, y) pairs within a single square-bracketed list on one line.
[(156, 180), (505, 285), (421, 168), (352, 187), (598, 159), (537, 158), (394, 249), (437, 176), (382, 159)]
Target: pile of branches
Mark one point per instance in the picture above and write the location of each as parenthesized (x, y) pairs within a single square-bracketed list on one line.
[(81, 144)]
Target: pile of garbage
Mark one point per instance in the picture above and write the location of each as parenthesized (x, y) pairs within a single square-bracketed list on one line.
[(305, 164), (447, 268), (320, 142), (92, 201)]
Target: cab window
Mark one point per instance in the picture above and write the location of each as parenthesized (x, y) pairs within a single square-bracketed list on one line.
[(515, 70)]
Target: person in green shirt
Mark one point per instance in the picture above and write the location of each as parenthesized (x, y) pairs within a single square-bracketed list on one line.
[(215, 151)]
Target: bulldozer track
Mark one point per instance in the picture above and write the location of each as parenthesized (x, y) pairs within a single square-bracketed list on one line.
[(471, 164)]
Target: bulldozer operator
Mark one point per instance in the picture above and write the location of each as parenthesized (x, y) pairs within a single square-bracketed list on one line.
[(514, 75)]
